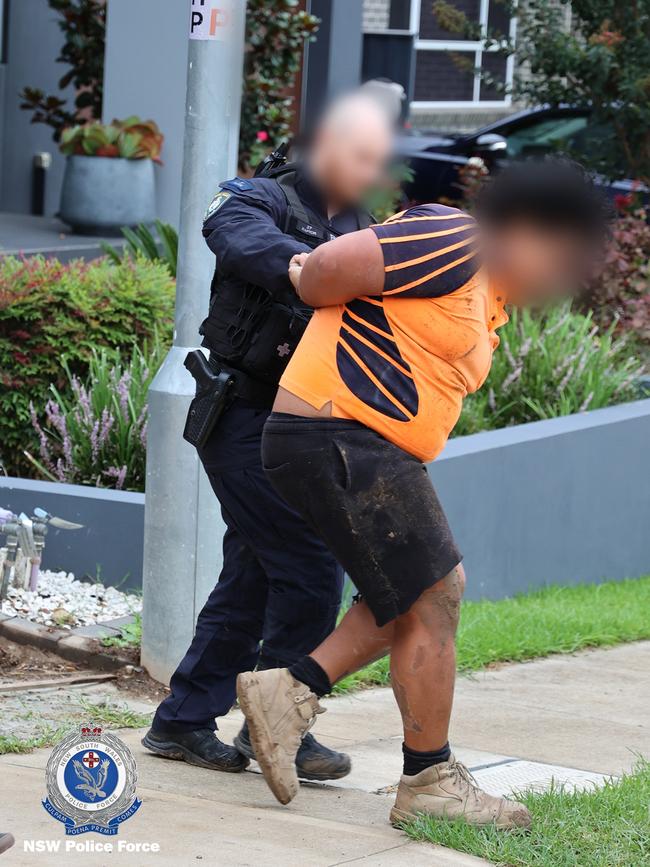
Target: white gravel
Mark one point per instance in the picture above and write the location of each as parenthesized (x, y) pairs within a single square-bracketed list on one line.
[(62, 601)]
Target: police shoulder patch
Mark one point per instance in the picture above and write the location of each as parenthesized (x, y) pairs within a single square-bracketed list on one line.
[(238, 185), (220, 199)]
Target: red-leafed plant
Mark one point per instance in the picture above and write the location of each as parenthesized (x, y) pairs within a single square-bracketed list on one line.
[(131, 139), (620, 294)]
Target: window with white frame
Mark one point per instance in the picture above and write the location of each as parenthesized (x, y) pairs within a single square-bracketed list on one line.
[(447, 69)]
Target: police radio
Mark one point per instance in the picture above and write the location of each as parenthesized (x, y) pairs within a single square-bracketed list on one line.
[(273, 161)]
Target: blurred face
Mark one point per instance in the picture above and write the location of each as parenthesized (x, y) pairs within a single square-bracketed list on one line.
[(350, 156), (535, 265)]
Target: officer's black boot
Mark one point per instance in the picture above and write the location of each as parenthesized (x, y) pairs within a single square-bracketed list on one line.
[(201, 747), (313, 762)]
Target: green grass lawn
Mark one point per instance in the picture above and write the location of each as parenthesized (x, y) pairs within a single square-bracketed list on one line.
[(606, 827), (553, 620)]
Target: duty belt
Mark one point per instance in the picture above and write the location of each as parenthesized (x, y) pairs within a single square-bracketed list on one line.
[(260, 394)]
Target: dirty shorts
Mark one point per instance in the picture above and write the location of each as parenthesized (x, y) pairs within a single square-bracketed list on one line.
[(372, 503)]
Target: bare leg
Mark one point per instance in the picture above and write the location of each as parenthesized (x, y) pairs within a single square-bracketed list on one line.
[(423, 663), (423, 657), (359, 641), (279, 709)]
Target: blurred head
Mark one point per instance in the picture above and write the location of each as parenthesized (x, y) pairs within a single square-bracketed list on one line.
[(544, 226), (351, 147)]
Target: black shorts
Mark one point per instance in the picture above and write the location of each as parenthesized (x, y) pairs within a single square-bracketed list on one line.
[(372, 503)]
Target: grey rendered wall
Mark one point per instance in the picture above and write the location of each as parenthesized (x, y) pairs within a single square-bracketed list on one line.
[(145, 73), (560, 501), (333, 61), (555, 502), (109, 546), (3, 81), (33, 43)]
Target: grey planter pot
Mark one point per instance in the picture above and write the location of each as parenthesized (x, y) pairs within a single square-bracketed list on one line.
[(102, 194)]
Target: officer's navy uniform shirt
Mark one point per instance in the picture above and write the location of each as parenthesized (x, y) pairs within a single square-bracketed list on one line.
[(279, 583), (246, 231)]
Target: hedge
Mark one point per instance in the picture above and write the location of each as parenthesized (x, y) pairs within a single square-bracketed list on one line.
[(50, 311)]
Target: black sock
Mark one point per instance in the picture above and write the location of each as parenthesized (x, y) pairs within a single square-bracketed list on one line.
[(309, 672), (414, 762), (266, 662)]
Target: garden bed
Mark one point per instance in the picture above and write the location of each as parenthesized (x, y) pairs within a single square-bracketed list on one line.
[(62, 601), (559, 501)]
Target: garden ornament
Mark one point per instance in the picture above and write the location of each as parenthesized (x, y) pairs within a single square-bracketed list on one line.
[(28, 534)]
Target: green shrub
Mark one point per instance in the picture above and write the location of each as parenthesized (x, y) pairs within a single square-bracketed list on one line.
[(276, 34), (50, 311), (547, 366), (141, 241), (95, 433), (590, 54)]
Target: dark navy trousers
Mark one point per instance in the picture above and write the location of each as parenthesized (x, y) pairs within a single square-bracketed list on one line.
[(279, 587)]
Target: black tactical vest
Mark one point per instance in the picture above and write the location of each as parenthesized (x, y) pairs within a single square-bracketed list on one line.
[(248, 329)]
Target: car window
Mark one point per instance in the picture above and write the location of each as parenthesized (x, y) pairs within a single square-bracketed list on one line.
[(545, 136)]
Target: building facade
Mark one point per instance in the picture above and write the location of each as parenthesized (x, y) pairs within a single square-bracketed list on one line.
[(145, 71), (440, 70)]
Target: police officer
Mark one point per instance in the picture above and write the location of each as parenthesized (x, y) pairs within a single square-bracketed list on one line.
[(279, 592)]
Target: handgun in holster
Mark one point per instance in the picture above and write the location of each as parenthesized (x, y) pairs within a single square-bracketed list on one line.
[(213, 394)]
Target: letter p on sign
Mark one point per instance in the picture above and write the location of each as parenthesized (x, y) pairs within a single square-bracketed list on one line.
[(210, 19)]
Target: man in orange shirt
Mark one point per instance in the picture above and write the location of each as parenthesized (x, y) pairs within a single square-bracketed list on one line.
[(405, 327)]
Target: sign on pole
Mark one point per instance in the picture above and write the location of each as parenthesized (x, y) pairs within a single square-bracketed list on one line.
[(210, 19)]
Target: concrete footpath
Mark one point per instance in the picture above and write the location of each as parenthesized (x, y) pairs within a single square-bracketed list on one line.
[(573, 718)]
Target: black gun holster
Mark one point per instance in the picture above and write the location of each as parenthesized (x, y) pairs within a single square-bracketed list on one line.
[(213, 396)]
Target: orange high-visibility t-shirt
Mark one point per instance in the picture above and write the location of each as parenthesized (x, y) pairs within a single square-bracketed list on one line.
[(402, 362)]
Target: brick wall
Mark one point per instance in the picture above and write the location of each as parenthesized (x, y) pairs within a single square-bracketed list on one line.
[(376, 14)]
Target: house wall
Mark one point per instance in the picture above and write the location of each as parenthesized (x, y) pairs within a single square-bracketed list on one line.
[(145, 73), (442, 95), (333, 61), (376, 15), (33, 42)]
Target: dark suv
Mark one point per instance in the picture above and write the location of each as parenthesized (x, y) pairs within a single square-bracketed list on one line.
[(435, 157)]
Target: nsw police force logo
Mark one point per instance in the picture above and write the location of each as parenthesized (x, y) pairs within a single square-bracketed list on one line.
[(91, 778)]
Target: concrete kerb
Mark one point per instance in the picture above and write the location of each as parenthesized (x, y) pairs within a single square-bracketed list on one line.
[(81, 645)]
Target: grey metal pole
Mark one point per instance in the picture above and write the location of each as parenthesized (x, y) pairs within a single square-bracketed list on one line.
[(183, 530)]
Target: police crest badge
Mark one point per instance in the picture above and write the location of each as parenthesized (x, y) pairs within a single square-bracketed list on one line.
[(220, 199), (91, 779)]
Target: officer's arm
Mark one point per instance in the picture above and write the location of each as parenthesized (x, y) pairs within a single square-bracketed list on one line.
[(243, 233), (344, 269)]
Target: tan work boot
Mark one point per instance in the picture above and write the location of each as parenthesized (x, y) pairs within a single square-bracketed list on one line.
[(449, 791), (279, 710)]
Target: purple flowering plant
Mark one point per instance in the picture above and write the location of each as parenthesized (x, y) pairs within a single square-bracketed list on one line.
[(548, 365), (95, 433)]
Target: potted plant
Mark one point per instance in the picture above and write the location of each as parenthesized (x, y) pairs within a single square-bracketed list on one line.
[(109, 179)]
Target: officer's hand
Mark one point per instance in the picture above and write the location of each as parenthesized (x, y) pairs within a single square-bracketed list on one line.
[(295, 269)]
